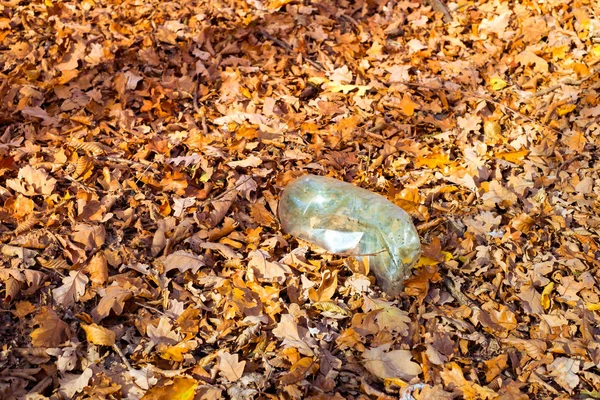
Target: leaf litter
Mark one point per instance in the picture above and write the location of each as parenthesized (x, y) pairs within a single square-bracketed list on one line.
[(143, 149)]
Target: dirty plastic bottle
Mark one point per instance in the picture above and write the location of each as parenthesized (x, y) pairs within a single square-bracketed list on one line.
[(343, 218)]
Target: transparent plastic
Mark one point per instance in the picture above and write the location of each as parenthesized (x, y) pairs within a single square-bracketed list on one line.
[(343, 218)]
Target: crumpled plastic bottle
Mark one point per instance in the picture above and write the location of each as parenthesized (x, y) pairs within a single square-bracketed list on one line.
[(343, 218)]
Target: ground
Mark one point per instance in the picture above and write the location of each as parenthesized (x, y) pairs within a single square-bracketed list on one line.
[(144, 146)]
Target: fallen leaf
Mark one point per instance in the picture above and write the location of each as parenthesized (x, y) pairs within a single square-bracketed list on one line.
[(32, 182), (99, 335), (51, 330), (230, 367), (392, 364), (72, 384), (182, 388), (72, 289)]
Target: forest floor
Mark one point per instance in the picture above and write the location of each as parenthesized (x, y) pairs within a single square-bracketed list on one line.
[(144, 147)]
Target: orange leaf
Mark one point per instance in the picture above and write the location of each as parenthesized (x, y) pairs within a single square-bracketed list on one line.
[(408, 106), (515, 157)]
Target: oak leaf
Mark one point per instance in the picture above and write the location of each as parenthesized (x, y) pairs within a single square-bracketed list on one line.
[(73, 383), (453, 375), (72, 289), (564, 371), (293, 335), (183, 261)]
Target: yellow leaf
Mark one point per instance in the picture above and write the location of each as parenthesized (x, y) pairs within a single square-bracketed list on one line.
[(99, 335), (277, 4), (593, 306), (246, 93), (336, 87), (498, 84), (426, 261), (515, 157), (596, 51), (175, 353), (559, 52), (397, 382), (546, 295), (433, 161), (565, 109), (183, 388)]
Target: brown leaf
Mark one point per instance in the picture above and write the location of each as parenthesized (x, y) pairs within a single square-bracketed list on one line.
[(183, 261), (32, 182), (392, 364), (230, 367), (51, 330), (98, 269), (113, 298), (72, 289)]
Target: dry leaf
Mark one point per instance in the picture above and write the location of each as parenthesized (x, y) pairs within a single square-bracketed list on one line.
[(182, 388), (72, 289), (390, 364), (98, 335), (72, 384), (230, 367), (31, 182), (51, 330)]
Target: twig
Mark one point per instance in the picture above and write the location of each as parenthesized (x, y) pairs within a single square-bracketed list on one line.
[(125, 360), (126, 161), (567, 81), (289, 49)]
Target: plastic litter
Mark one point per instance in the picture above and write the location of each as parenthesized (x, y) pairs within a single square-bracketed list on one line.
[(343, 218)]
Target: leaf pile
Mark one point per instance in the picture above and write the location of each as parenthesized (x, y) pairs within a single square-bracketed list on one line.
[(144, 146)]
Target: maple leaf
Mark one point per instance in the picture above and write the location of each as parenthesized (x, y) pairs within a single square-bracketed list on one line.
[(32, 182), (390, 364), (51, 332), (72, 289), (230, 367), (99, 335), (71, 384)]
